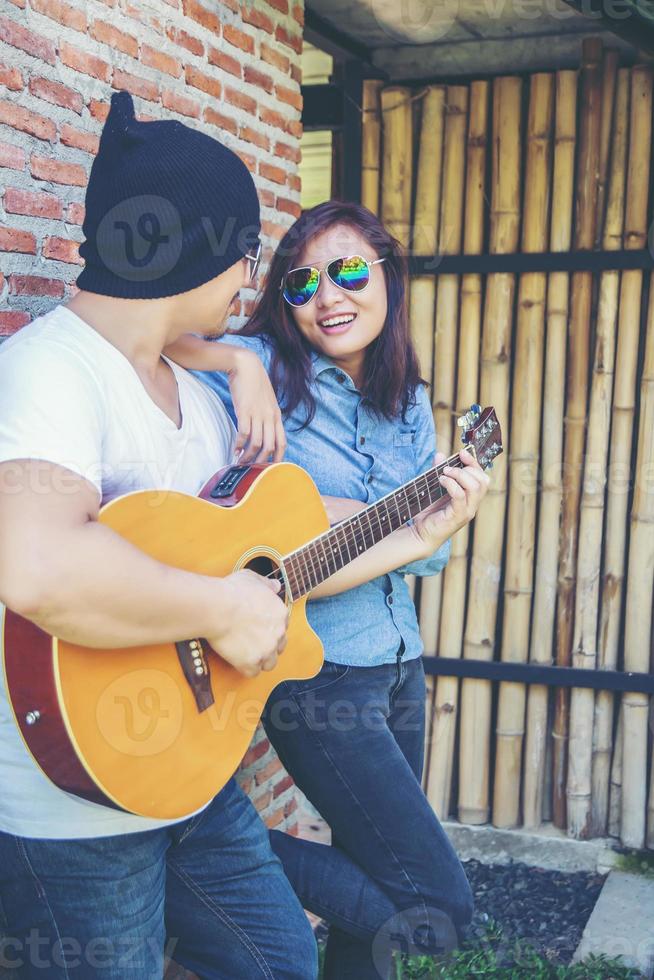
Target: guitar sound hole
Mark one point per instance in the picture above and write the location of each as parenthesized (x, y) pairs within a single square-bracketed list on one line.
[(262, 565), (265, 566)]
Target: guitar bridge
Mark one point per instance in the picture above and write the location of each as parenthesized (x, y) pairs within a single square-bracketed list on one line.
[(194, 663)]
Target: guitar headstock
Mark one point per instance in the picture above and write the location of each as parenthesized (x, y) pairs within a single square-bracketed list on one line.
[(482, 433)]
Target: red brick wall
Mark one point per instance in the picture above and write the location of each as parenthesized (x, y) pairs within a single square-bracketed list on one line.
[(229, 68)]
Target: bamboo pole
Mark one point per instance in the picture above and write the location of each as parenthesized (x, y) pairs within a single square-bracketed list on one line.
[(524, 459), (591, 519), (650, 807), (609, 119), (623, 411), (422, 311), (639, 596), (615, 797), (467, 382), (577, 395), (397, 161), (439, 779), (450, 239), (430, 608), (605, 772), (537, 745), (479, 638), (426, 225), (429, 720), (467, 387), (638, 620), (370, 143)]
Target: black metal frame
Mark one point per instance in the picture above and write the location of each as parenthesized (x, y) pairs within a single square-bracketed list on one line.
[(547, 674), (520, 262), (325, 36), (635, 26)]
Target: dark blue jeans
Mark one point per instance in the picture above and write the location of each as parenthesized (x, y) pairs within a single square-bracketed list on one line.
[(353, 740), (208, 889)]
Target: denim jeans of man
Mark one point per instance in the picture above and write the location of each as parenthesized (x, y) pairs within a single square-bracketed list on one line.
[(208, 891), (353, 739)]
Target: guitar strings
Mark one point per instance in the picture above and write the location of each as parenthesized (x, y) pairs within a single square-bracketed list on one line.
[(352, 531)]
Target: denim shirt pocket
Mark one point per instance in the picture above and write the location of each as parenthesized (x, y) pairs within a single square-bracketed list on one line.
[(404, 444)]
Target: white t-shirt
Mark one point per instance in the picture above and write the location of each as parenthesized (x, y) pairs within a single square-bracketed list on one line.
[(70, 397)]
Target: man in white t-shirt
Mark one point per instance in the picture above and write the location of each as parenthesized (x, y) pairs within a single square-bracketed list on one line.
[(89, 410)]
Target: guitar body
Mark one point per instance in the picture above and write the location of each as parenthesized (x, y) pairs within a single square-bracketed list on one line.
[(123, 727)]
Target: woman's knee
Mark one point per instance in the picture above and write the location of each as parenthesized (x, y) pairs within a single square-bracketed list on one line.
[(449, 900)]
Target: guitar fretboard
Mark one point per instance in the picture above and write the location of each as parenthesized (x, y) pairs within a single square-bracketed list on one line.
[(319, 559)]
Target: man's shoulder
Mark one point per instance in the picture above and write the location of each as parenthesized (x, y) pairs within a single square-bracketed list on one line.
[(45, 372), (51, 344)]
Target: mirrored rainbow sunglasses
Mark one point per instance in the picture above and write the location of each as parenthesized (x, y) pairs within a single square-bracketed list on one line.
[(349, 272)]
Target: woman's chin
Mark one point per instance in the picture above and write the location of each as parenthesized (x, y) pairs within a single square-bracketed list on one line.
[(342, 344)]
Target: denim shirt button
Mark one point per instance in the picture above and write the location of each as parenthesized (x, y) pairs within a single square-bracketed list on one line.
[(389, 600), (362, 441)]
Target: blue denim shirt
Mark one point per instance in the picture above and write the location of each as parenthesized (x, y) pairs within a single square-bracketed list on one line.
[(351, 452)]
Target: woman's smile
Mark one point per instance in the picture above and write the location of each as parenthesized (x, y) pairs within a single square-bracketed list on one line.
[(337, 323)]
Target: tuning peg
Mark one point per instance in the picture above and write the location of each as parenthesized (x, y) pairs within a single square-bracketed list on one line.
[(476, 409), (465, 437)]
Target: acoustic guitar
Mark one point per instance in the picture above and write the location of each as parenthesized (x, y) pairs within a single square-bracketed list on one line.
[(158, 730)]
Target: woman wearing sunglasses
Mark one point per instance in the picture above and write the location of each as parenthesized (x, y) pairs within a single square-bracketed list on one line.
[(331, 328)]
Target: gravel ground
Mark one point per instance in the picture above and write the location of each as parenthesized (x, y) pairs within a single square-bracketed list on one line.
[(547, 909)]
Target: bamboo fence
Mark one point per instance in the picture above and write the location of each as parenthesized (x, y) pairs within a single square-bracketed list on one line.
[(454, 578), (608, 613), (486, 559), (558, 566), (585, 226), (523, 464), (551, 493), (637, 636), (426, 223), (439, 774), (584, 653)]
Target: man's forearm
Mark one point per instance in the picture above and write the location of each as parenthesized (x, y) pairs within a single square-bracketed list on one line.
[(104, 592)]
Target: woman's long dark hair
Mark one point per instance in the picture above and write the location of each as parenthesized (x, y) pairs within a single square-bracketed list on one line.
[(391, 372)]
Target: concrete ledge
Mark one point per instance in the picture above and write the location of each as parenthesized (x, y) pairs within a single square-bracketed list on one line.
[(622, 922), (548, 847)]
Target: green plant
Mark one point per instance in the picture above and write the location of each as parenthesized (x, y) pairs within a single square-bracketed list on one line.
[(493, 957), (636, 862)]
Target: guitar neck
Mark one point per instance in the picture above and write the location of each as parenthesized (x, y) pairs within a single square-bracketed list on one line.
[(316, 561)]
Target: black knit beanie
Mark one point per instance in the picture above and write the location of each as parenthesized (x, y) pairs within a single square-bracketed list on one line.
[(167, 208)]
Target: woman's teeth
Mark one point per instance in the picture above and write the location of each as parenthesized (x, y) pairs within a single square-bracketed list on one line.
[(337, 321)]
